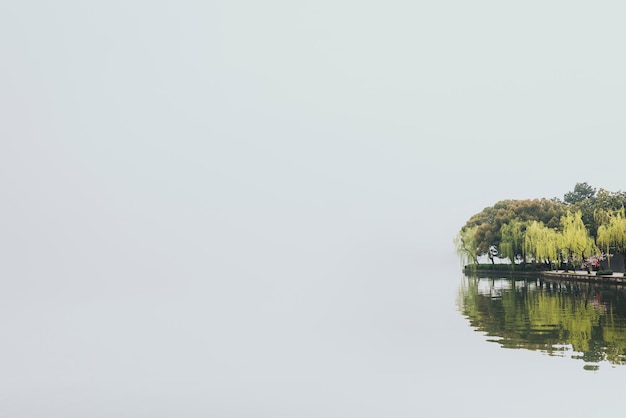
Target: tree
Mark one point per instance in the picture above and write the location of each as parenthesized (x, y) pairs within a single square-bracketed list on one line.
[(606, 205), (581, 192), (609, 201), (576, 242), (466, 245), (512, 240), (542, 243), (583, 198), (566, 227), (489, 221), (612, 233)]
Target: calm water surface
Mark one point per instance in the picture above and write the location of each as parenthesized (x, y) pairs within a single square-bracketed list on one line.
[(370, 337), (584, 322)]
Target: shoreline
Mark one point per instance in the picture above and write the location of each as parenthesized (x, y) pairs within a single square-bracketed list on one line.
[(572, 275)]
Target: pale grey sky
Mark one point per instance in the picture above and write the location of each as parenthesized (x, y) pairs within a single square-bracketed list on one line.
[(175, 176), (237, 102)]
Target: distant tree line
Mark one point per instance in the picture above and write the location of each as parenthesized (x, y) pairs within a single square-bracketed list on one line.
[(579, 230)]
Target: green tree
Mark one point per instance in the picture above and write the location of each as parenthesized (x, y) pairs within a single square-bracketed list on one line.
[(542, 243), (606, 204), (466, 245), (490, 220), (512, 240), (584, 199), (576, 242), (612, 233), (496, 229), (581, 192), (609, 201)]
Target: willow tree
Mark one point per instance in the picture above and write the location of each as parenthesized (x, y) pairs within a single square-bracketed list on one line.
[(576, 242), (542, 243), (466, 245), (612, 233), (512, 240)]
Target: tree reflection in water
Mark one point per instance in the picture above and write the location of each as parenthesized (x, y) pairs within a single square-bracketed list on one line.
[(583, 320)]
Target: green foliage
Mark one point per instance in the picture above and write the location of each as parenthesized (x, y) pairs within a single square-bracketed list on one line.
[(604, 272), (489, 221), (512, 240), (548, 230), (576, 242), (542, 243), (581, 192), (612, 233), (609, 201), (594, 207), (466, 246)]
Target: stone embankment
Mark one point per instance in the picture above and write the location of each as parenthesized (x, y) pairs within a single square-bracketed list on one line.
[(571, 275), (578, 275)]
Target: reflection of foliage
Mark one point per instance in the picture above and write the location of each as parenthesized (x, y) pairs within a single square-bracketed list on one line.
[(549, 317)]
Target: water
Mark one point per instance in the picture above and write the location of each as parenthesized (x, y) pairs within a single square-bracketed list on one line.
[(581, 321), (373, 336)]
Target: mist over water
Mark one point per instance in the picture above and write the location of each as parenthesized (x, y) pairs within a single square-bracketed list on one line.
[(245, 209), (302, 302)]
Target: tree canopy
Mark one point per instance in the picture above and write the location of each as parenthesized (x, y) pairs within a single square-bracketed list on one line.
[(586, 222), (581, 192)]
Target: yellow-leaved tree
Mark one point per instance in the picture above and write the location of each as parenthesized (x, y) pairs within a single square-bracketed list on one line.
[(612, 233), (542, 243), (512, 241), (576, 243), (467, 245)]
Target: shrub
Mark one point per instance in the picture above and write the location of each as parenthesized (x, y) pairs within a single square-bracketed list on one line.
[(604, 273), (507, 267)]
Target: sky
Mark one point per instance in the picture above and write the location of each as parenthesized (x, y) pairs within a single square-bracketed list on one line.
[(162, 162)]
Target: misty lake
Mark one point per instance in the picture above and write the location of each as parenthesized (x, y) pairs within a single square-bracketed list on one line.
[(365, 336)]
